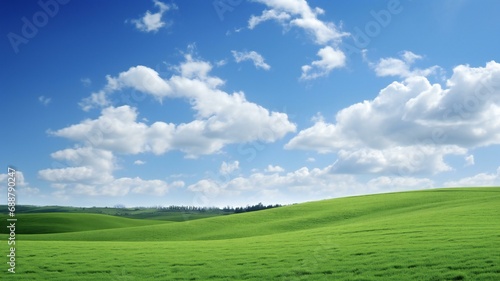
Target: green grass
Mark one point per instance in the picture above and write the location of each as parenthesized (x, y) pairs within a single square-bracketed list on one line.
[(173, 216), (134, 213), (64, 222), (444, 234)]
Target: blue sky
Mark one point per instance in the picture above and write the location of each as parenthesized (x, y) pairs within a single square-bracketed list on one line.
[(218, 103)]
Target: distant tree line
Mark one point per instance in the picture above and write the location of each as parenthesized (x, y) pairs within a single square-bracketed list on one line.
[(226, 210), (252, 208), (120, 209)]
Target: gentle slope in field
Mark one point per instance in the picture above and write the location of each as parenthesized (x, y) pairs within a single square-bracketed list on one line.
[(67, 222), (402, 207)]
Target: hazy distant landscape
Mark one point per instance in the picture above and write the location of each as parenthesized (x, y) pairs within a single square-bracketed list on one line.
[(170, 213), (442, 234)]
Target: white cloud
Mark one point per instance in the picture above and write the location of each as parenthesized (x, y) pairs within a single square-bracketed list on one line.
[(116, 130), (140, 186), (268, 15), (402, 67), (82, 164), (330, 59), (139, 162), (410, 57), (400, 183), (44, 100), (298, 13), (229, 168), (274, 169), (410, 126), (21, 185), (253, 56), (95, 99), (152, 22), (322, 137), (122, 187), (221, 118), (482, 179), (89, 171), (395, 160), (303, 183), (469, 160), (208, 186), (139, 78), (19, 179), (197, 69)]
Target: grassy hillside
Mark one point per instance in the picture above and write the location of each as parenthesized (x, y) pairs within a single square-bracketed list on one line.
[(445, 234), (65, 222), (419, 208), (134, 213)]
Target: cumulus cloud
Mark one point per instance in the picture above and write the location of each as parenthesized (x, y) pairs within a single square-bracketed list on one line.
[(232, 120), (482, 179), (298, 13), (385, 183), (121, 187), (253, 56), (302, 180), (137, 185), (415, 159), (274, 169), (411, 125), (303, 183), (22, 186), (280, 17), (229, 168), (221, 118), (139, 78), (330, 59), (152, 22), (89, 171), (115, 130), (82, 164), (402, 67), (139, 162)]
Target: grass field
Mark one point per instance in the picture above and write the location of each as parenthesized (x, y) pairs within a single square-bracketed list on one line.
[(442, 234), (63, 222), (133, 213)]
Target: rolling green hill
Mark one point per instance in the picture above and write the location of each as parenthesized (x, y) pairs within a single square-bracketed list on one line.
[(65, 222), (133, 213), (418, 208), (442, 234)]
